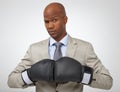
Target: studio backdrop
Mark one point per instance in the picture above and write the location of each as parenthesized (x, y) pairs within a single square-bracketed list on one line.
[(95, 21)]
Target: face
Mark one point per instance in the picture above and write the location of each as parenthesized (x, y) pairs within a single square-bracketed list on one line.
[(55, 23)]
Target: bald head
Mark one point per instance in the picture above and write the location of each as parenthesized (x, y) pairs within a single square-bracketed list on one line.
[(56, 8)]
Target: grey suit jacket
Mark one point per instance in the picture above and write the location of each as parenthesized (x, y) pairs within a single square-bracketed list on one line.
[(77, 49)]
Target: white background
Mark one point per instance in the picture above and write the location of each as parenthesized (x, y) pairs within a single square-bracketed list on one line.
[(96, 21)]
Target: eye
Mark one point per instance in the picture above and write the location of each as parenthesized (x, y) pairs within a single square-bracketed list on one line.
[(46, 21), (54, 20)]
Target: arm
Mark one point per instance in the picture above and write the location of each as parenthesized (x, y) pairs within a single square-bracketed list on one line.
[(101, 76)]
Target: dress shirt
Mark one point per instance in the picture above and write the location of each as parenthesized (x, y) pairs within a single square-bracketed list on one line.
[(52, 47)]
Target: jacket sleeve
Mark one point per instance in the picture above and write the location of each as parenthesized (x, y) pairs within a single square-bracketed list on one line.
[(101, 76), (15, 78)]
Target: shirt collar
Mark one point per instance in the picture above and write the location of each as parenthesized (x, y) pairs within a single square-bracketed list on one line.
[(64, 41)]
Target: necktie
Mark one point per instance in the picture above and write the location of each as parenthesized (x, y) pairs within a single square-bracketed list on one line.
[(57, 53)]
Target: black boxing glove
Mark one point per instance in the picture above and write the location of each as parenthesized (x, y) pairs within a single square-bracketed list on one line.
[(42, 70), (68, 69)]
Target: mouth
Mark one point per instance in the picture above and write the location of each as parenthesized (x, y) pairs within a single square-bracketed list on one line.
[(52, 32)]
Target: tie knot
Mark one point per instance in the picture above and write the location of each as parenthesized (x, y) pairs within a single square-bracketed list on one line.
[(58, 44)]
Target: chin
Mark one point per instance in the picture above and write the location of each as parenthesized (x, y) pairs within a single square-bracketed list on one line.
[(54, 37)]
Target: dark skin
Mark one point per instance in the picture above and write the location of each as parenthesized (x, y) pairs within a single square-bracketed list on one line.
[(55, 21)]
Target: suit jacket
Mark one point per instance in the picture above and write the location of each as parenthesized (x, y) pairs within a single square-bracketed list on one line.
[(77, 49)]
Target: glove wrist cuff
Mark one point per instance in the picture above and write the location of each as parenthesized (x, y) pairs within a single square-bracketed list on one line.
[(25, 78), (87, 75)]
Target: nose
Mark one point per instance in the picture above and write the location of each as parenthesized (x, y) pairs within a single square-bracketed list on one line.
[(50, 25)]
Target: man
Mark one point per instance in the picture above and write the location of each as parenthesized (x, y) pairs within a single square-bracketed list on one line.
[(79, 66)]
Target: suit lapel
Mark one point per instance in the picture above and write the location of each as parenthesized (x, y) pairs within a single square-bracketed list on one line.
[(71, 47)]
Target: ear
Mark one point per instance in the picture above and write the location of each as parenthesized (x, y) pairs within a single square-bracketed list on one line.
[(65, 19)]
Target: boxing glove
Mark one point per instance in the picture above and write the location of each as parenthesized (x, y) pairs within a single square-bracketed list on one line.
[(42, 70), (68, 69)]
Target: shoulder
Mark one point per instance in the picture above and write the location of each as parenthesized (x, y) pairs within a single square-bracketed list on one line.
[(40, 43), (84, 45), (79, 41)]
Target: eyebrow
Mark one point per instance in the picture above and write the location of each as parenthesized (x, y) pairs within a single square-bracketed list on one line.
[(51, 17)]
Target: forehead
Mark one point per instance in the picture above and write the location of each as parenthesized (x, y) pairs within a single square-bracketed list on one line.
[(51, 14)]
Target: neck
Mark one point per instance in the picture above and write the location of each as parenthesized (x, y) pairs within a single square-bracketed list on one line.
[(61, 37)]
